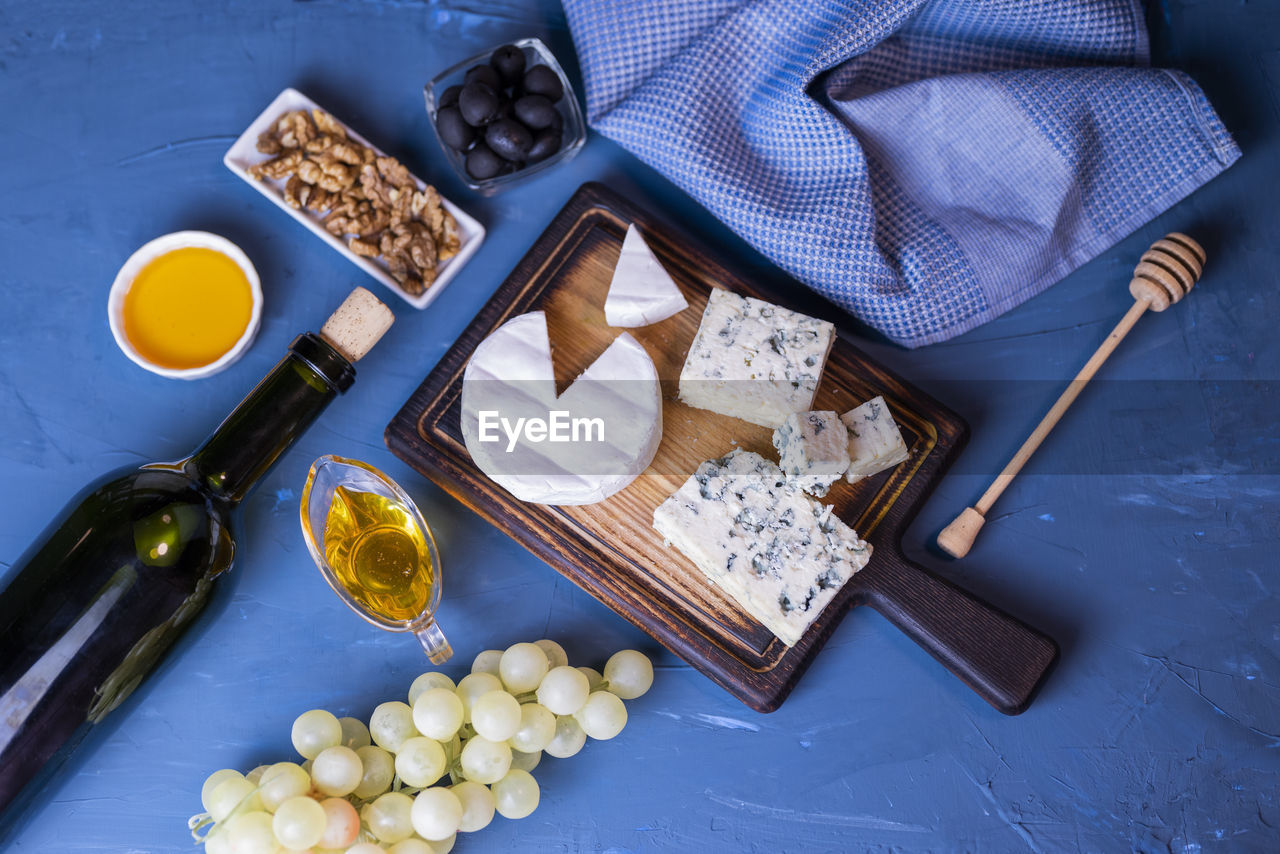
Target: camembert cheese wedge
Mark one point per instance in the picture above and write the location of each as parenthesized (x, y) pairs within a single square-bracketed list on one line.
[(642, 291)]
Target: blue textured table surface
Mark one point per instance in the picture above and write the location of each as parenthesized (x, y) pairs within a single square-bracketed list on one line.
[(1144, 537)]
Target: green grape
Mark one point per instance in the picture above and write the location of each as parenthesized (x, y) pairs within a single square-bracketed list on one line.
[(390, 724), (522, 667), (342, 823), (516, 795), (282, 781), (603, 716), (412, 845), (354, 733), (438, 713), (366, 848), (427, 681), (337, 771), (477, 805), (629, 674), (537, 728), (315, 730), (299, 823), (251, 833), (214, 780), (379, 770), (555, 653), (444, 846), (487, 662), (496, 715), (485, 761), (568, 740), (594, 677), (563, 690), (228, 794), (255, 776), (437, 813), (525, 761), (218, 842), (388, 817), (420, 762), (472, 687)]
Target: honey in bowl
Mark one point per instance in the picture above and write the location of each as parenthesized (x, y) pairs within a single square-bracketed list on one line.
[(378, 553), (187, 308)]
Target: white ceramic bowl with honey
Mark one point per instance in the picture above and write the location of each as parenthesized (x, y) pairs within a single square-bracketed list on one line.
[(187, 317)]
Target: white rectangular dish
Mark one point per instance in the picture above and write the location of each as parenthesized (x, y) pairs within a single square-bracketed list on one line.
[(244, 153)]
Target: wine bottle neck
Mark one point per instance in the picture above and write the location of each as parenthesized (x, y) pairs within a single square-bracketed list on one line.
[(271, 418)]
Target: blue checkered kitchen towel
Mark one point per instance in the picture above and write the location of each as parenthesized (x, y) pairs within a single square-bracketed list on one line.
[(959, 157)]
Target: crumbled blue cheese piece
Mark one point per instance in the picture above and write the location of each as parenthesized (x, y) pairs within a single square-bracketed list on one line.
[(875, 443), (778, 553), (813, 449), (754, 360)]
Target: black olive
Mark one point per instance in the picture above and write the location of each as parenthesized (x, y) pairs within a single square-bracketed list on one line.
[(453, 129), (482, 163), (478, 103), (483, 74), (541, 80), (545, 144), (557, 121), (535, 112), (508, 61), (449, 98), (509, 139)]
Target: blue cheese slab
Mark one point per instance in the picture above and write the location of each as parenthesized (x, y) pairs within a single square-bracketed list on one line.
[(875, 442), (754, 360), (813, 450), (775, 551)]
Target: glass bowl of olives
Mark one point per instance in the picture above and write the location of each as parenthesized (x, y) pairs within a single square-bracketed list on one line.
[(505, 115)]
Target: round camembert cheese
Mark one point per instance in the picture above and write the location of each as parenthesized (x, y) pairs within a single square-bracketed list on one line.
[(576, 448)]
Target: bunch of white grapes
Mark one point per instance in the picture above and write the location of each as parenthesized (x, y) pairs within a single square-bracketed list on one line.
[(421, 772)]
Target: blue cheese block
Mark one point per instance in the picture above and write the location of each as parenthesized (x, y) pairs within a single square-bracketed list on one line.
[(813, 448), (778, 553), (753, 360), (875, 443)]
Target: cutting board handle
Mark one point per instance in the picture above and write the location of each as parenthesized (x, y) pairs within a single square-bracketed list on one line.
[(997, 655)]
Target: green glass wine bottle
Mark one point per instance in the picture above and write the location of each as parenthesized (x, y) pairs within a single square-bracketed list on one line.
[(102, 594)]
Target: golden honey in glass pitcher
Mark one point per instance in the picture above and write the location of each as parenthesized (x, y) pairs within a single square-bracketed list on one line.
[(374, 549)]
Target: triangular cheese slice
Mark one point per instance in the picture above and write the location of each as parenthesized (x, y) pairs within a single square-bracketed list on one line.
[(642, 291)]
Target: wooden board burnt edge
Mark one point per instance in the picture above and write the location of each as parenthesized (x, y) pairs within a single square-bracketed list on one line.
[(573, 552)]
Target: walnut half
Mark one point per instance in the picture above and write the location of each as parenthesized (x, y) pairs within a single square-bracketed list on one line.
[(372, 201)]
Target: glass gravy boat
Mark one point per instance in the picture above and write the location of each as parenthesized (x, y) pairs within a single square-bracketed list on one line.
[(374, 549)]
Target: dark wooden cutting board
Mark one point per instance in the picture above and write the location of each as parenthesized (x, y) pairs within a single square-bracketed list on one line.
[(611, 550)]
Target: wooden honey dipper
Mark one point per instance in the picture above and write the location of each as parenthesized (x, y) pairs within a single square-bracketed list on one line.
[(1165, 274)]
